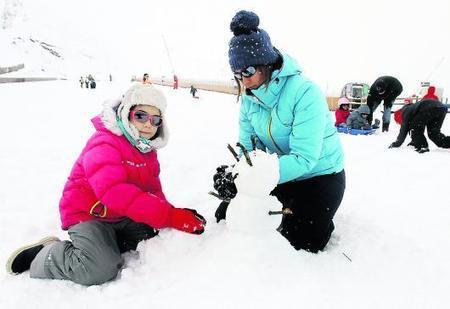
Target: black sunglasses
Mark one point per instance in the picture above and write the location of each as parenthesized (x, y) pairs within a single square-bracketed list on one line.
[(248, 72)]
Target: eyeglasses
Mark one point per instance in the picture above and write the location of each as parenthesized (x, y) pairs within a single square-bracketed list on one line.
[(248, 72), (143, 117)]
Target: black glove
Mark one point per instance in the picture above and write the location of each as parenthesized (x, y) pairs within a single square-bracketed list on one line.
[(224, 183), (394, 145)]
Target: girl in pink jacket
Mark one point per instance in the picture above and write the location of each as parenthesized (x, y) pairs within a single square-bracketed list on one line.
[(113, 197)]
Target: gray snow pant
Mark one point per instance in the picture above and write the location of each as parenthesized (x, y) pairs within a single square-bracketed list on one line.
[(94, 254)]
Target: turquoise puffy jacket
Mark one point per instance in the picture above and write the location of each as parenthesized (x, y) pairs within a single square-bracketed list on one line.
[(291, 118)]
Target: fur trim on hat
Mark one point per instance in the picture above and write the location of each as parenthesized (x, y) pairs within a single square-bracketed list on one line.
[(137, 94)]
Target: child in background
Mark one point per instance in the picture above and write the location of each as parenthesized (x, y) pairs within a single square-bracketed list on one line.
[(113, 197), (342, 112), (358, 119)]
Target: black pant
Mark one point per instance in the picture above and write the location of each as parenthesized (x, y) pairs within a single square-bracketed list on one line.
[(432, 119), (313, 203), (373, 103)]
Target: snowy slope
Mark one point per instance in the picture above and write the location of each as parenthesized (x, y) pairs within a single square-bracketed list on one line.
[(393, 223), (335, 42)]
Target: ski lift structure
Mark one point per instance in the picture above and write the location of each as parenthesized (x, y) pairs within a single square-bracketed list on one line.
[(356, 93)]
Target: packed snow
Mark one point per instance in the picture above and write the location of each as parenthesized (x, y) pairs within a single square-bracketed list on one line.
[(248, 211), (389, 249)]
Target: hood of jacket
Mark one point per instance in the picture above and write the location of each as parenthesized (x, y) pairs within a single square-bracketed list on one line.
[(363, 109), (267, 95)]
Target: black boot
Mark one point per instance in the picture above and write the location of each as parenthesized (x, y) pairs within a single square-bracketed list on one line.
[(422, 149), (376, 124), (21, 259), (385, 127)]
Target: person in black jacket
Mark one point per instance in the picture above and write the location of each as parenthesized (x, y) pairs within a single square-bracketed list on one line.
[(415, 117), (193, 91), (386, 89)]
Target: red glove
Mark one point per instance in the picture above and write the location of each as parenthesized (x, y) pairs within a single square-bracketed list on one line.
[(186, 220)]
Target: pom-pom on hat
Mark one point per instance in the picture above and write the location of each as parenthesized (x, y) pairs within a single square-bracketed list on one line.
[(250, 45)]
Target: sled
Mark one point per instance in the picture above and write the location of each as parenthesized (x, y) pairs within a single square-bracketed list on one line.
[(355, 131)]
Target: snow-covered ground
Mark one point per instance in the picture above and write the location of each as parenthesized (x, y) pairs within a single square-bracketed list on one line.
[(390, 248)]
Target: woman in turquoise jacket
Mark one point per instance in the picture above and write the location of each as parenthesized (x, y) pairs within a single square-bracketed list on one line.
[(287, 114)]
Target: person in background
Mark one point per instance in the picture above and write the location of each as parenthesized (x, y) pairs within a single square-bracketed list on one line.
[(81, 81), (92, 82), (193, 91), (414, 118), (146, 79), (283, 112), (431, 94), (175, 81), (358, 119), (342, 112), (386, 89), (113, 198)]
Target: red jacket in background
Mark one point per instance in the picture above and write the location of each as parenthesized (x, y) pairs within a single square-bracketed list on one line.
[(341, 116), (431, 94)]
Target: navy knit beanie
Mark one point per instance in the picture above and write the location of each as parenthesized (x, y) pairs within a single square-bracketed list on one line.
[(249, 45)]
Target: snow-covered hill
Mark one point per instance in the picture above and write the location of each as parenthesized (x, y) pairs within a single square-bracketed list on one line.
[(39, 35), (349, 41)]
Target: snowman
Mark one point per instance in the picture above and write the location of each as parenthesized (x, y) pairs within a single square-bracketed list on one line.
[(249, 210)]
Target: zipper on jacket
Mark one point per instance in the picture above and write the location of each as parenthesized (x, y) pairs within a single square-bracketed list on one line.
[(270, 134), (269, 131)]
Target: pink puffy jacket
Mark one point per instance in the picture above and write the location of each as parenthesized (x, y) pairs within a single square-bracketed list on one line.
[(110, 180)]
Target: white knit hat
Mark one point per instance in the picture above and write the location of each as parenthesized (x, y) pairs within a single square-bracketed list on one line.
[(137, 94), (343, 101)]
